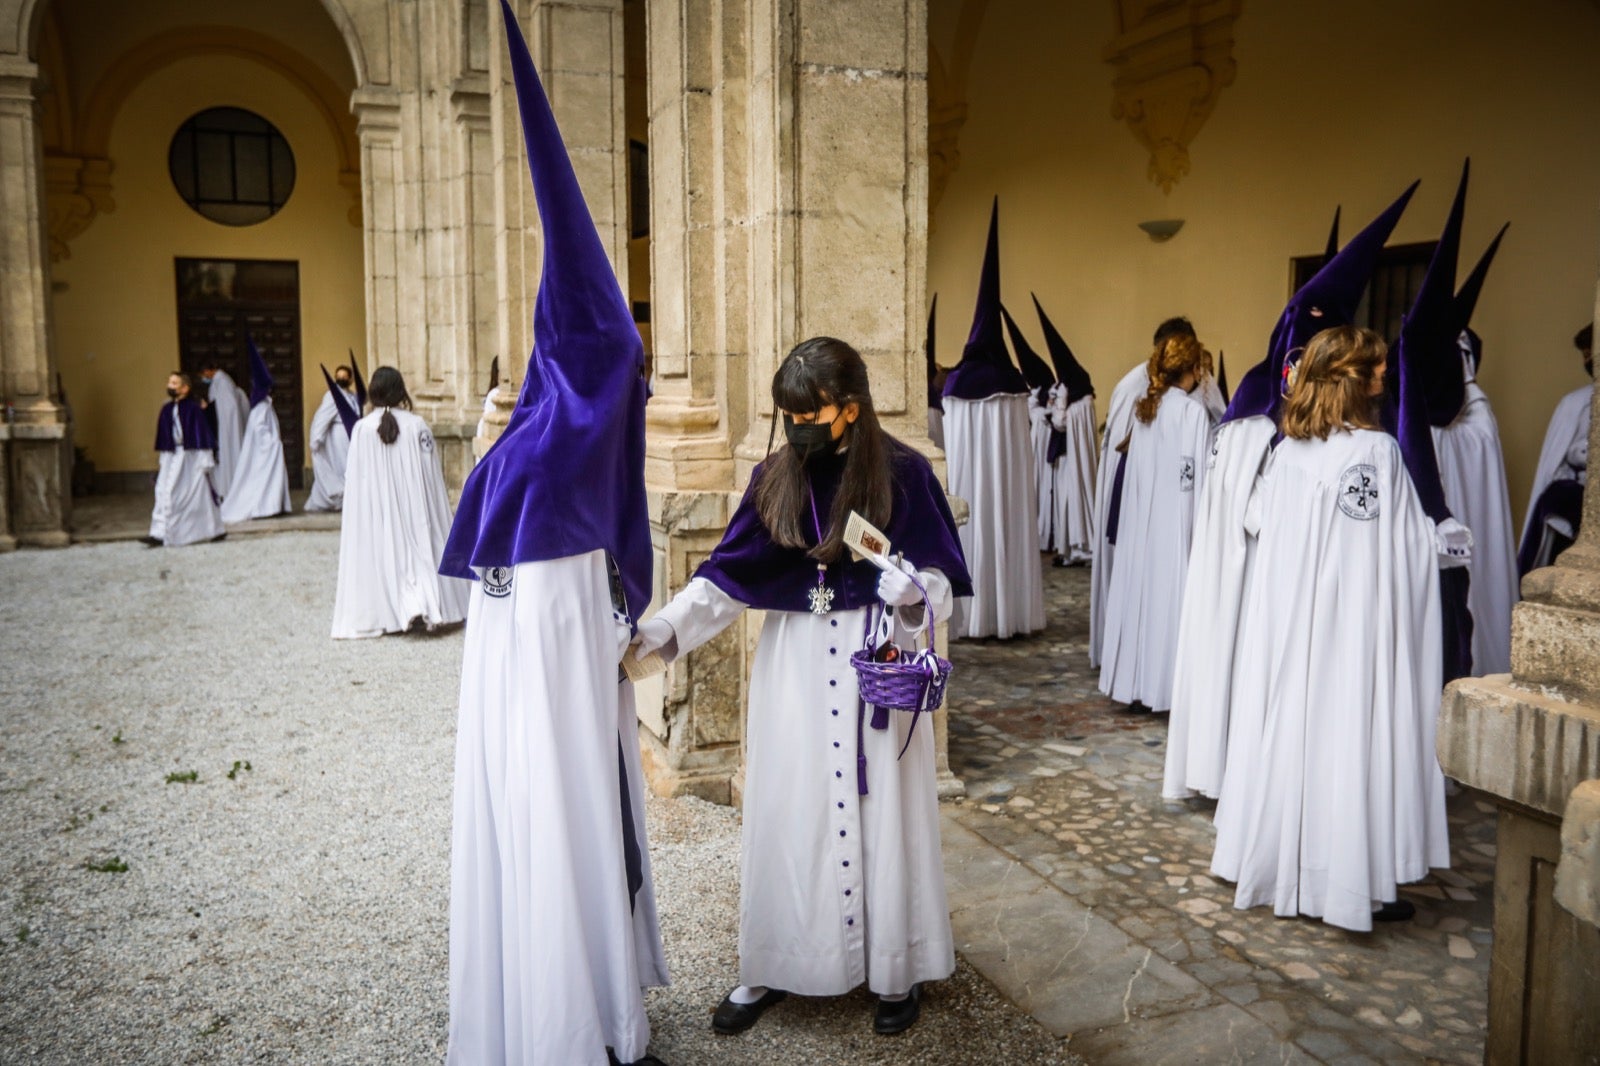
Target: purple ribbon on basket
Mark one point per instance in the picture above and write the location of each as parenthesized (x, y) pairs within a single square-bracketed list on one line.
[(891, 686)]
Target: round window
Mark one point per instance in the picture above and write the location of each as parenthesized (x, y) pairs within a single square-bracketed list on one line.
[(232, 166)]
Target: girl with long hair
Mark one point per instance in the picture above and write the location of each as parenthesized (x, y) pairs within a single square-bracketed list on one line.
[(396, 518), (1166, 451), (840, 807), (1337, 679)]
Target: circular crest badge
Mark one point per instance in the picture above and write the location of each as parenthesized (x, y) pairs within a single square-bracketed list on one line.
[(425, 440), (1186, 473), (497, 581), (1358, 491)]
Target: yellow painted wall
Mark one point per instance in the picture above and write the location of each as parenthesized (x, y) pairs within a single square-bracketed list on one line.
[(116, 307), (1336, 102)]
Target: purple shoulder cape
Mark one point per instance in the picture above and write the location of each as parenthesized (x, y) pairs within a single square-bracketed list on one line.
[(197, 431), (748, 566)]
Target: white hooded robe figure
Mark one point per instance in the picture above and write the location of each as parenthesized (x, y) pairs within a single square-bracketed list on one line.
[(231, 407), (260, 485), (1072, 426), (330, 448), (1340, 666), (1564, 456), (991, 467), (396, 519), (1119, 423), (1165, 470), (185, 510), (553, 931)]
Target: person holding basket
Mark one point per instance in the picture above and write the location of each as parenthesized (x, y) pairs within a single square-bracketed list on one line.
[(841, 820)]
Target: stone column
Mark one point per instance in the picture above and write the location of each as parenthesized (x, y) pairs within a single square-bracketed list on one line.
[(38, 496), (788, 164), (1532, 739)]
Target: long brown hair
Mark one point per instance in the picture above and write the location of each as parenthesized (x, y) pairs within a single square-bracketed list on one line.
[(821, 372), (1177, 354), (1333, 384), (388, 390)]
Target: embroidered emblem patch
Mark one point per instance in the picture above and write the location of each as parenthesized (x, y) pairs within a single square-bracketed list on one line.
[(1186, 473), (1358, 491), (497, 581), (425, 439)]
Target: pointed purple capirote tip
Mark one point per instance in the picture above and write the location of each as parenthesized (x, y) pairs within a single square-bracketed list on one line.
[(348, 416), (986, 368), (1069, 371), (1430, 367), (1035, 371), (260, 376), (357, 380), (927, 348), (1467, 298), (1332, 248)]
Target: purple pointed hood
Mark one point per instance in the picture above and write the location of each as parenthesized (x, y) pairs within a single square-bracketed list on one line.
[(1035, 371), (359, 382), (986, 369), (566, 477), (348, 415), (1333, 237), (1334, 291), (1069, 371), (935, 395), (1431, 387), (1222, 377), (1467, 297), (260, 376)]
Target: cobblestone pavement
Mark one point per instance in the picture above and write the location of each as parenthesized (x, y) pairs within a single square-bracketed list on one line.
[(1066, 783)]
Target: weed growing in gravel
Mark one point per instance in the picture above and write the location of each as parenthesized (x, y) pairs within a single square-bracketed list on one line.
[(78, 822), (187, 777), (237, 766), (113, 865), (116, 738), (23, 932), (218, 1023)]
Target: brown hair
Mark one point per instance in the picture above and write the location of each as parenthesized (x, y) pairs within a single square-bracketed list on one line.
[(1177, 354), (1333, 384), (388, 391)]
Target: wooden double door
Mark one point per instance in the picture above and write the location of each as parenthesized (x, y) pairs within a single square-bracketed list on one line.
[(221, 302)]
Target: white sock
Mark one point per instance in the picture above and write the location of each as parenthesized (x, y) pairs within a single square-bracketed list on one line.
[(895, 999), (747, 993)]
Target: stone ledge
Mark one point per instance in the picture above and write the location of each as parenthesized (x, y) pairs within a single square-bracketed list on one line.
[(1555, 646), (1529, 746)]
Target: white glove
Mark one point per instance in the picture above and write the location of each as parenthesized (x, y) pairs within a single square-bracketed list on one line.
[(655, 634), (896, 588), (1454, 542)]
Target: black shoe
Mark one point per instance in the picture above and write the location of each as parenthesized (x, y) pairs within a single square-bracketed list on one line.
[(1400, 911), (151, 542), (899, 1015), (219, 536), (647, 1060), (731, 1017)]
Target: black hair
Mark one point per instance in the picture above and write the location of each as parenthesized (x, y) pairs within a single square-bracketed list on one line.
[(1172, 326), (182, 376), (387, 390), (1583, 340), (817, 373), (346, 369)]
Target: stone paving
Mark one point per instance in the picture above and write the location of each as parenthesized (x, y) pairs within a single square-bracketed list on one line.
[(1063, 803)]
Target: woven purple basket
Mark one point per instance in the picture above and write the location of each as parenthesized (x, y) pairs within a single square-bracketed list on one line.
[(914, 682)]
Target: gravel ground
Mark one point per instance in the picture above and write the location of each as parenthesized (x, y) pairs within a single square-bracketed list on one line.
[(296, 910)]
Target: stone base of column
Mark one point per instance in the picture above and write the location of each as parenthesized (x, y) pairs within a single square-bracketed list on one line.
[(458, 451), (39, 470)]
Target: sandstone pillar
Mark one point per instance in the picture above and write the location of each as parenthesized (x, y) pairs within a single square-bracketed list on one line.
[(1532, 739), (788, 166), (37, 456)]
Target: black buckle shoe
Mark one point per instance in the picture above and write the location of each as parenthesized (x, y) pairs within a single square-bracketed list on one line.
[(731, 1017), (1399, 911), (898, 1015)]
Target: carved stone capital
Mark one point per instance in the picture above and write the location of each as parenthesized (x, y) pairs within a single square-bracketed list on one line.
[(77, 191), (1172, 61)]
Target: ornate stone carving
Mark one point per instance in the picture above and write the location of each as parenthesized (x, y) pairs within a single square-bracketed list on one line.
[(77, 190), (1173, 59)]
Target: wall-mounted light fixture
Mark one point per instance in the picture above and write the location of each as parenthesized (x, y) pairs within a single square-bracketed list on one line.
[(1162, 229)]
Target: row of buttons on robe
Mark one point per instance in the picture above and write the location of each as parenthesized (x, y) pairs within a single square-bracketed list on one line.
[(839, 773)]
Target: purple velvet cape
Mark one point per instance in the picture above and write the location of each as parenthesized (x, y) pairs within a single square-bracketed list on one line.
[(197, 430), (748, 566)]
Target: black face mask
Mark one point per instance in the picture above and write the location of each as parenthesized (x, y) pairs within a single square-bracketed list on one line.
[(173, 393), (343, 383), (808, 439)]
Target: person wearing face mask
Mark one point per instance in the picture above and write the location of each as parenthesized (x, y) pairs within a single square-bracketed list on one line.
[(1555, 508), (330, 445), (260, 484), (841, 814), (229, 407), (1165, 471), (185, 509)]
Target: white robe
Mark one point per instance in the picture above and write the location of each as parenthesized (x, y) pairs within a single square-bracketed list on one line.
[(1073, 483), (396, 520), (817, 860), (232, 407), (1473, 471), (547, 961), (1342, 671), (1043, 469), (488, 406), (1119, 420), (185, 511), (991, 467), (330, 446), (1214, 596), (1165, 471), (260, 485), (1568, 430)]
